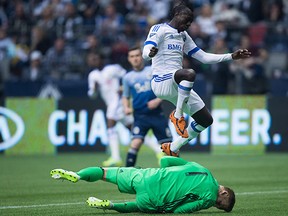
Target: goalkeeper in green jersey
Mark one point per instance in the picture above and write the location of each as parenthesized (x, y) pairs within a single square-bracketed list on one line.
[(177, 186)]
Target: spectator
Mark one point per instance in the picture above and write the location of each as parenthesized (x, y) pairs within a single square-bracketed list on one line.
[(20, 22), (91, 44), (206, 20), (7, 52), (158, 9), (274, 11), (46, 22), (140, 16), (63, 62), (250, 75), (109, 25), (253, 9), (229, 14), (3, 19), (69, 25), (89, 11), (40, 40), (35, 71), (121, 6), (20, 57), (219, 74)]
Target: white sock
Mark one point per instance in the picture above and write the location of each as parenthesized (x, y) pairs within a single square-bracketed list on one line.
[(178, 143), (194, 129), (114, 143), (184, 89), (152, 143)]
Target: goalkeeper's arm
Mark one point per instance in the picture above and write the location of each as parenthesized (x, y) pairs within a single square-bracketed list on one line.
[(126, 207)]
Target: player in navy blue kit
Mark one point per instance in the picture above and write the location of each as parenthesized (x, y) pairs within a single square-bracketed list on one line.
[(146, 108)]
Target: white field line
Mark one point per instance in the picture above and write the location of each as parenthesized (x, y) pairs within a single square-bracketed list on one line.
[(82, 203), (262, 192)]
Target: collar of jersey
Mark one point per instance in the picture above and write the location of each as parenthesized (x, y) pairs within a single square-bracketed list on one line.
[(171, 26)]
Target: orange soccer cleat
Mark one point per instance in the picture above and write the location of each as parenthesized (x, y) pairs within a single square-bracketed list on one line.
[(179, 124), (166, 149)]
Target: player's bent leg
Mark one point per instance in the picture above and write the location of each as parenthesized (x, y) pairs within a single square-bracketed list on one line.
[(65, 175), (98, 203), (203, 117), (185, 79)]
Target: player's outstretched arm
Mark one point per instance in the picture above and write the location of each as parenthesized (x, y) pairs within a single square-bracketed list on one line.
[(211, 58), (168, 161)]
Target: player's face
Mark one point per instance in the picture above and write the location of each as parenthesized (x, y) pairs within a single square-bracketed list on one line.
[(135, 58), (184, 22)]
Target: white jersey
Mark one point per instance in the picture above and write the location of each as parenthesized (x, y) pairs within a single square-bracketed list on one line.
[(171, 46), (108, 81)]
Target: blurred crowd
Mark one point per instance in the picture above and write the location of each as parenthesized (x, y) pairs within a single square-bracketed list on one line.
[(58, 39)]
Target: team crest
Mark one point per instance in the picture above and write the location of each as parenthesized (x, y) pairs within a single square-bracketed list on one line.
[(184, 37)]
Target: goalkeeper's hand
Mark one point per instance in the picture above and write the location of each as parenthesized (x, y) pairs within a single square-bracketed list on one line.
[(98, 203)]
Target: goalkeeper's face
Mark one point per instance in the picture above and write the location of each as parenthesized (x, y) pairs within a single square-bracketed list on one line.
[(226, 199), (222, 202)]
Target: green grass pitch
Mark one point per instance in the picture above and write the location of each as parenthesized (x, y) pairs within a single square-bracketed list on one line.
[(26, 188)]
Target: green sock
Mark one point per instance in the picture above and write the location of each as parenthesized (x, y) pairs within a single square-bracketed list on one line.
[(91, 174)]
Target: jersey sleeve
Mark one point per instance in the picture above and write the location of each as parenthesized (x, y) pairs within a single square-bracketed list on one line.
[(190, 46), (193, 206), (210, 58), (126, 89), (126, 207), (155, 36), (192, 50)]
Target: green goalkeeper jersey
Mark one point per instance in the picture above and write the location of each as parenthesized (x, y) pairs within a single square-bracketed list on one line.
[(178, 186)]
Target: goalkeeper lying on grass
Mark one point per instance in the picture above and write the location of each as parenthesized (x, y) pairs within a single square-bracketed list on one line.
[(177, 186)]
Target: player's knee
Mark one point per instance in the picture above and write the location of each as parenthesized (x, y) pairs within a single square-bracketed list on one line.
[(208, 121), (185, 74), (190, 75)]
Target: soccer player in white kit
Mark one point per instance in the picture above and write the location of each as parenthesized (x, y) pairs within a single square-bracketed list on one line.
[(105, 79), (166, 44)]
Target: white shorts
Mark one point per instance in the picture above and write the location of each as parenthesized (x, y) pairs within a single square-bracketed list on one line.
[(115, 111), (166, 88)]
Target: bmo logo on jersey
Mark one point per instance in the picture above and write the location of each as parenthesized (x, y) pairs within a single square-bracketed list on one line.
[(11, 128), (174, 47)]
